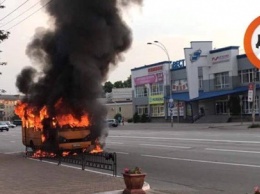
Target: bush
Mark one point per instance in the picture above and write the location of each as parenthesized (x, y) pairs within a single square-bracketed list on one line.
[(136, 118), (130, 120), (144, 118), (254, 126)]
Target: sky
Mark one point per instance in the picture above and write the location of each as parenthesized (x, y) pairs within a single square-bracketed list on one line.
[(174, 23)]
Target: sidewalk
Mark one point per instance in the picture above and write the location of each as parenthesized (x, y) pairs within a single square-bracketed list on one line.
[(20, 175)]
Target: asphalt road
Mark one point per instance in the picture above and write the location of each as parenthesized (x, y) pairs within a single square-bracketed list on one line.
[(188, 158), (191, 158)]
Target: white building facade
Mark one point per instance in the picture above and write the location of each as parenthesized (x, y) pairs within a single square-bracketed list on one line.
[(209, 81)]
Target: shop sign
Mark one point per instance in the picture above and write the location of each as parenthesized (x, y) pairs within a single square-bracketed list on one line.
[(156, 99), (195, 55), (220, 59), (180, 85), (154, 69), (148, 79), (178, 64)]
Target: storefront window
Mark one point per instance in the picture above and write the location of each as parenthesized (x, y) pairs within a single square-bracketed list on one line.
[(141, 91), (156, 89), (247, 106), (221, 80), (180, 85), (200, 82), (142, 110), (157, 110), (246, 76)]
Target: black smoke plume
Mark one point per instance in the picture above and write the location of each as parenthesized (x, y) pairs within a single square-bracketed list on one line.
[(74, 56)]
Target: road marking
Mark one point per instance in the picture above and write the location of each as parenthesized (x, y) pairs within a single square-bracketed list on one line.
[(187, 139), (204, 161), (122, 153), (18, 152), (155, 145), (114, 143), (225, 150)]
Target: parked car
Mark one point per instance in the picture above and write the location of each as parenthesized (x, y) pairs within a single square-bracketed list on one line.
[(112, 122), (10, 125), (3, 126), (17, 122)]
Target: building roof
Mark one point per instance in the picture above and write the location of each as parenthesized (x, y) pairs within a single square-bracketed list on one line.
[(223, 49), (151, 65)]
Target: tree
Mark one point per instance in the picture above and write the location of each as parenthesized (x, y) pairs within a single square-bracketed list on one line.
[(118, 84), (128, 82), (3, 35), (108, 87)]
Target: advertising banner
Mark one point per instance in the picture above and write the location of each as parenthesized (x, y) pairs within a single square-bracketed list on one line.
[(148, 79), (156, 99)]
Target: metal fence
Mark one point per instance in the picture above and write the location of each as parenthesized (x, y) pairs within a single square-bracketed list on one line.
[(104, 160)]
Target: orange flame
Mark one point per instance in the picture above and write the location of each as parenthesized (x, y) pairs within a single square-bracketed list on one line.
[(31, 118), (97, 149)]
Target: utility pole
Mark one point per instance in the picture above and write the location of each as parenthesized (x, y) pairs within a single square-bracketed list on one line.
[(171, 102), (254, 95)]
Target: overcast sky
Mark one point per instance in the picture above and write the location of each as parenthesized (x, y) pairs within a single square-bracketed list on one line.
[(175, 23)]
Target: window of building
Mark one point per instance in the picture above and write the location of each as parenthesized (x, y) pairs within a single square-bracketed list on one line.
[(246, 76), (157, 88), (157, 110), (200, 82), (142, 110), (247, 106), (141, 91), (180, 85), (221, 80)]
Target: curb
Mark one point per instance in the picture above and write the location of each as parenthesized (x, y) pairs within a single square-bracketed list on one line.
[(146, 187)]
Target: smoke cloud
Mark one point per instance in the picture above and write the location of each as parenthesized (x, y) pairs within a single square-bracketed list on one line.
[(74, 56)]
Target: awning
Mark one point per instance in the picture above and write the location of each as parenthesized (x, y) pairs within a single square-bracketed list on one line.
[(184, 96)]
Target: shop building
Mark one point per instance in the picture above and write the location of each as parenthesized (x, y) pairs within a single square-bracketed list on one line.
[(207, 82)]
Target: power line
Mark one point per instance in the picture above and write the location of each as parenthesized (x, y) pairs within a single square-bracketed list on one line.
[(14, 10), (20, 14), (2, 2), (29, 15)]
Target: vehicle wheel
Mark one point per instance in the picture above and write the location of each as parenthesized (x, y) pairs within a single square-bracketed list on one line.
[(32, 145), (7, 129)]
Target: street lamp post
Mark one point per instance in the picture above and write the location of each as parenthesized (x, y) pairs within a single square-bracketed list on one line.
[(161, 46), (241, 108)]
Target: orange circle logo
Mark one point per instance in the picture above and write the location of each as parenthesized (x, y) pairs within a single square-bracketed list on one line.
[(252, 42)]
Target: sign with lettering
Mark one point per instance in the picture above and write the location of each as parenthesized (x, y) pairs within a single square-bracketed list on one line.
[(220, 59), (195, 55), (178, 64), (149, 79), (154, 69), (156, 99)]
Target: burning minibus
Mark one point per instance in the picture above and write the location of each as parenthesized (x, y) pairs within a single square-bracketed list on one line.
[(57, 134)]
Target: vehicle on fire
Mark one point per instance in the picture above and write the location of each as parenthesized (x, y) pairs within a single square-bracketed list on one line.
[(3, 126), (56, 139)]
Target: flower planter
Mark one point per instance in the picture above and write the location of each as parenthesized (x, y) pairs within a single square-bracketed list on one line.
[(134, 183)]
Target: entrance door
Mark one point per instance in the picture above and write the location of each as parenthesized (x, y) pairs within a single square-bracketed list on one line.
[(221, 107)]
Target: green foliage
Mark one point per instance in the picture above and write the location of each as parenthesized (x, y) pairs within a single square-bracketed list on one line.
[(130, 120), (128, 82), (144, 118), (118, 84), (108, 87), (136, 118)]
